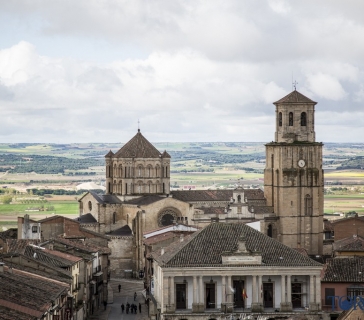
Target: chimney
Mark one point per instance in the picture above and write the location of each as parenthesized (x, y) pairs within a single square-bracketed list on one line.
[(2, 267), (162, 251)]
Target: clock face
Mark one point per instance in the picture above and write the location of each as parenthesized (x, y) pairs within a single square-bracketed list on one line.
[(301, 163)]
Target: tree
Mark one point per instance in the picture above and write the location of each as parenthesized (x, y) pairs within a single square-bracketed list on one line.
[(7, 199)]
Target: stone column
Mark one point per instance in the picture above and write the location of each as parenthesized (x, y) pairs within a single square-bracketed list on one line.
[(286, 304), (318, 292), (260, 289), (283, 288), (312, 289), (195, 295), (289, 289), (254, 290), (223, 290), (257, 305), (201, 300), (171, 295)]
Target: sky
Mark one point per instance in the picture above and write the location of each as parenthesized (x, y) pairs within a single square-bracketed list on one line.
[(188, 70)]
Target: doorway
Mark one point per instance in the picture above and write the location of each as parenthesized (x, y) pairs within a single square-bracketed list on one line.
[(210, 296), (239, 294), (181, 296), (268, 294), (297, 295)]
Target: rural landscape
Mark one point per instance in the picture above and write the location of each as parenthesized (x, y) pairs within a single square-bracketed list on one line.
[(47, 179)]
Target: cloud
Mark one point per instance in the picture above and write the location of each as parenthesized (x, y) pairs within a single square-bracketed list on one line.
[(326, 86), (190, 70)]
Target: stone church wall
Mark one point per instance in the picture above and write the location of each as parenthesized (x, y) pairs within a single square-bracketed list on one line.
[(121, 258)]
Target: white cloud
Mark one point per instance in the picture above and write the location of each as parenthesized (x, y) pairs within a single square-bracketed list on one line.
[(190, 70), (326, 86)]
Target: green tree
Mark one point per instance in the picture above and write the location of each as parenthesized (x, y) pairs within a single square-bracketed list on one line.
[(7, 199)]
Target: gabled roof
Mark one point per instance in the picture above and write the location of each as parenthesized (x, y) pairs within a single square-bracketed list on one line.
[(344, 270), (205, 248), (82, 245), (109, 154), (28, 293), (215, 195), (86, 218), (355, 243), (294, 97), (138, 147), (19, 245), (165, 154), (122, 232), (145, 200), (50, 258)]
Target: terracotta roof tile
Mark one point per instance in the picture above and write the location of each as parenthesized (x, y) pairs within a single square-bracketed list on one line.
[(205, 247), (138, 147), (145, 200), (124, 231), (294, 97), (212, 210), (344, 270), (355, 243)]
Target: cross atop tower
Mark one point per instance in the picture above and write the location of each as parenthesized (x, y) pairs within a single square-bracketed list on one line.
[(138, 125), (294, 84)]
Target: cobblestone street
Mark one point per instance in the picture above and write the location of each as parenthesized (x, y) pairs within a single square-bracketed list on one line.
[(126, 294)]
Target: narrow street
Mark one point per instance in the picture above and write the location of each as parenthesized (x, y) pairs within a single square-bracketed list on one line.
[(126, 294)]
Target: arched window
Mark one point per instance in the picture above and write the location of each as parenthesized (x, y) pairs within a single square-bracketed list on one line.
[(290, 119), (149, 171), (126, 188), (90, 205), (149, 186), (163, 188), (140, 170), (303, 119), (140, 186), (270, 231), (239, 198), (280, 119), (110, 191), (308, 205), (114, 218), (167, 172)]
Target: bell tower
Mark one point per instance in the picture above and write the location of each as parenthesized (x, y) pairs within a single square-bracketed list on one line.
[(293, 175)]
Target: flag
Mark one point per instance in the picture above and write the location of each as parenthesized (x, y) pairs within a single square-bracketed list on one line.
[(244, 295)]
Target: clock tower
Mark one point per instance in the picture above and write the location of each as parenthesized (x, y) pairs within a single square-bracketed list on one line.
[(293, 175)]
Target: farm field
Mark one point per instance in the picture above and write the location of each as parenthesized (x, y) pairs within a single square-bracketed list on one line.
[(62, 205), (199, 165)]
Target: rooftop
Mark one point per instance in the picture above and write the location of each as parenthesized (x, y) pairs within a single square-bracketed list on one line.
[(205, 248)]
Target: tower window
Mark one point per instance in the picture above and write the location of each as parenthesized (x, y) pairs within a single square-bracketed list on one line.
[(290, 119), (270, 231), (114, 218), (280, 119), (308, 205), (303, 119)]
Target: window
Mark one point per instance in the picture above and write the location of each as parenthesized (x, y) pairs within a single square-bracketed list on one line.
[(308, 205), (270, 231), (90, 203), (290, 119), (114, 218), (280, 119), (329, 292), (303, 119), (355, 291), (34, 229)]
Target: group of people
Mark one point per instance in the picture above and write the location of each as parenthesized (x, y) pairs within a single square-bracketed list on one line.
[(132, 307)]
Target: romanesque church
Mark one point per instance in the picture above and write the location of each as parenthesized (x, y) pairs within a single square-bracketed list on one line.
[(138, 197)]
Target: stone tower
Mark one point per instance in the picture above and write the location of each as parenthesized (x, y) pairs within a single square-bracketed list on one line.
[(293, 175), (137, 168)]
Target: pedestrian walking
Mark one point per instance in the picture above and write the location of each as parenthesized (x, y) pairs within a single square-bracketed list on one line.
[(122, 308), (119, 287), (135, 296), (140, 308)]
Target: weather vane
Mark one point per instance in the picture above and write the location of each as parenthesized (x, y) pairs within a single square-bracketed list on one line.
[(295, 83)]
